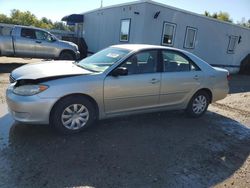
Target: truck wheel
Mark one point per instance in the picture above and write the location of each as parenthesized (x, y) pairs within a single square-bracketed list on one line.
[(198, 104), (66, 56), (73, 114)]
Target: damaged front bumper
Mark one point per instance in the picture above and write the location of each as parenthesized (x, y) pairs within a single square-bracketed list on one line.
[(29, 109)]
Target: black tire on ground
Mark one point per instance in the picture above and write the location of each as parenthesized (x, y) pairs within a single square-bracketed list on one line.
[(70, 107), (66, 56), (198, 104)]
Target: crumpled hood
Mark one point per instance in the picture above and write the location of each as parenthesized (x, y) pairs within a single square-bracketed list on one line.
[(47, 69)]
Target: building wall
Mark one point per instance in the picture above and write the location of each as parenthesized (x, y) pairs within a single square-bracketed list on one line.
[(102, 29), (212, 36)]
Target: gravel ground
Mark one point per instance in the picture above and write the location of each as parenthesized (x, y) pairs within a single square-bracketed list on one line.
[(4, 81), (151, 150)]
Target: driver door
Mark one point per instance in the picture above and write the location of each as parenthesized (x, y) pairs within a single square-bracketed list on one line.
[(139, 89), (44, 46)]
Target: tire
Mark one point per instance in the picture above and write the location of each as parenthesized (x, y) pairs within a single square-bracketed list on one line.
[(198, 104), (66, 56), (78, 108)]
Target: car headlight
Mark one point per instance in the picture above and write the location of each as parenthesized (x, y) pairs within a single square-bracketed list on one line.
[(28, 90)]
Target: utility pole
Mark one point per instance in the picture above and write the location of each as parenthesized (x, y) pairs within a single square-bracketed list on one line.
[(101, 3)]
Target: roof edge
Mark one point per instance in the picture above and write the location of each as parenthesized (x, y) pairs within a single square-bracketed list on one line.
[(117, 5), (193, 13), (166, 6)]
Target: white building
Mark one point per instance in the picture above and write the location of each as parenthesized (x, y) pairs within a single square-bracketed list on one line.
[(148, 22)]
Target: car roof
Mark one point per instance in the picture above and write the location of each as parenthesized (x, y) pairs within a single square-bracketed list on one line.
[(136, 47), (30, 27)]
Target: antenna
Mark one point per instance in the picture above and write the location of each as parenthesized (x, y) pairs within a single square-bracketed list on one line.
[(101, 3)]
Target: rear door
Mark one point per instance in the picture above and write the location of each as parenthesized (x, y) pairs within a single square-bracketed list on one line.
[(25, 43), (137, 90), (180, 78)]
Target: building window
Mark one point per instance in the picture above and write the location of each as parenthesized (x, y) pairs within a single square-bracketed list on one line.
[(232, 44), (190, 37), (125, 28), (168, 34)]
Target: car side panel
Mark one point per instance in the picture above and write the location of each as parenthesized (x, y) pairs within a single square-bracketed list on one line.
[(178, 87), (90, 85), (220, 85), (131, 92), (45, 49), (6, 46), (24, 47)]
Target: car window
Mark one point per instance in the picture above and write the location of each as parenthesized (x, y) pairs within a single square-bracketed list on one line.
[(28, 33), (175, 62), (41, 35), (143, 62)]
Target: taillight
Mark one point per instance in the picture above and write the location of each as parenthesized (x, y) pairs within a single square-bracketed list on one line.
[(228, 76)]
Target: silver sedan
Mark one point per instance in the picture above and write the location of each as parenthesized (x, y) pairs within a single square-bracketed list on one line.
[(119, 80)]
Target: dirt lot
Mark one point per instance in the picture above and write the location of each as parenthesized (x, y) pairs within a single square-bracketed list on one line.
[(152, 150)]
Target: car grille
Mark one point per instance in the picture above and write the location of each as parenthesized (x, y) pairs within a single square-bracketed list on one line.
[(12, 80)]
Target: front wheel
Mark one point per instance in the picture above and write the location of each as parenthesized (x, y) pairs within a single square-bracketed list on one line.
[(198, 104), (66, 56), (73, 114)]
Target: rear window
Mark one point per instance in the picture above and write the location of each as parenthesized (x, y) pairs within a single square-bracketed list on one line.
[(28, 33)]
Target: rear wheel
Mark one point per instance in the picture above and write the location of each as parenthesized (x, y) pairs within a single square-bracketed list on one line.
[(66, 56), (198, 104), (73, 114)]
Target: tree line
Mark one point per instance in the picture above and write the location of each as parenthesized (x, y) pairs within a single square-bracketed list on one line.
[(224, 16), (18, 17)]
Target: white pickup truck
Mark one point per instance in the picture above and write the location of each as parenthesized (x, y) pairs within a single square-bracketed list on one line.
[(33, 42)]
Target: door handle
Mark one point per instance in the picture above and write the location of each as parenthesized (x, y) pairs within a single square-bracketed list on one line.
[(196, 77), (39, 42), (154, 81)]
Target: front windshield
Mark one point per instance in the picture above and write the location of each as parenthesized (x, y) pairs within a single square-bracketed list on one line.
[(102, 60)]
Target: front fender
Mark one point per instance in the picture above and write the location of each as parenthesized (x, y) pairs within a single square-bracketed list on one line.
[(90, 85)]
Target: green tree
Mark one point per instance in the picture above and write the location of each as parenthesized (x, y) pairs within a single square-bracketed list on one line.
[(24, 18), (4, 19), (244, 23), (46, 20), (206, 13), (18, 17), (60, 26), (224, 16)]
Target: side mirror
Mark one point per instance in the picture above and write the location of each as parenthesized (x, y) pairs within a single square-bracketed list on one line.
[(120, 71), (51, 38)]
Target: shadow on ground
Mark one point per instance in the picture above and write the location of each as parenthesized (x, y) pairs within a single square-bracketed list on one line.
[(151, 150), (9, 67), (239, 84)]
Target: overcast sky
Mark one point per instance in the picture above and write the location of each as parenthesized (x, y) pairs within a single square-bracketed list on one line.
[(56, 9)]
